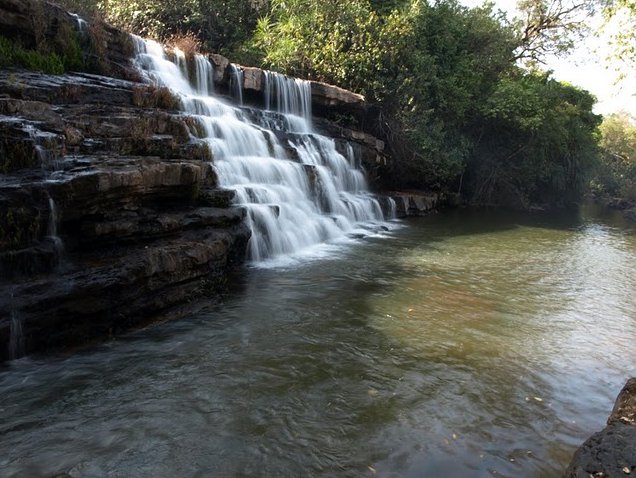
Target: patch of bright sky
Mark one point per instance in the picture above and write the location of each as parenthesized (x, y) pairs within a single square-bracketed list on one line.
[(587, 66)]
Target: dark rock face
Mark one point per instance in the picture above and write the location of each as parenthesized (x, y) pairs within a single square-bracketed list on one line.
[(612, 451), (414, 203), (109, 212)]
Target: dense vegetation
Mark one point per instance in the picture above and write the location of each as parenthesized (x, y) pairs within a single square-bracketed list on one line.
[(457, 110), (616, 176)]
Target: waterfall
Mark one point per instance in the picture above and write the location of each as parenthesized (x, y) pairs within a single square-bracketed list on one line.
[(204, 72), (52, 229), (16, 338), (292, 96), (82, 25), (236, 83), (392, 208), (407, 204), (299, 191)]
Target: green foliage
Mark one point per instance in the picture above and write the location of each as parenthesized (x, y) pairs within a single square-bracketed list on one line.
[(222, 25), (616, 174), (455, 110), (536, 145), (427, 65), (57, 55), (620, 22), (327, 40), (551, 27), (14, 55), (453, 61)]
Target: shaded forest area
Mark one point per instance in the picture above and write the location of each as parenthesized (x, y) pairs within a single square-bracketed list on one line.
[(459, 93)]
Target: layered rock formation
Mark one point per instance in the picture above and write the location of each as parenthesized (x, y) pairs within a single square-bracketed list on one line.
[(610, 453), (328, 103), (110, 211)]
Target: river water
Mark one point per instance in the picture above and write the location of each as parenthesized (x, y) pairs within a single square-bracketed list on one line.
[(462, 344)]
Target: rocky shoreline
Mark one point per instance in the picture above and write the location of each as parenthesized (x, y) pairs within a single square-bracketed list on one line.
[(610, 453)]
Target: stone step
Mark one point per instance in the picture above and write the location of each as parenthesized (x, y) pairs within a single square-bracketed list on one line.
[(138, 284)]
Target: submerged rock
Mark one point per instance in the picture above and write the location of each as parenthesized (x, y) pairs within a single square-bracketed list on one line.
[(612, 451)]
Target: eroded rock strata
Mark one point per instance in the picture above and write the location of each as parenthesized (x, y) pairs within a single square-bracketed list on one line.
[(110, 210)]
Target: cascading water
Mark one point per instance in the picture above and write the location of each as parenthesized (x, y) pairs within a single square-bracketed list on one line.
[(52, 230), (291, 95), (82, 25), (204, 75), (49, 160), (182, 63), (236, 83), (299, 190)]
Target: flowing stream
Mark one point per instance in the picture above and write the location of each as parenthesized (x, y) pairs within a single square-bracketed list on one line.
[(466, 344)]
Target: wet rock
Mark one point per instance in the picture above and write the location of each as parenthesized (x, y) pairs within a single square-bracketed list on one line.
[(139, 224), (612, 451), (108, 296), (414, 203), (73, 136), (222, 198)]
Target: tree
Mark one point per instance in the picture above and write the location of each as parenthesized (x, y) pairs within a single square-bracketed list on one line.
[(550, 27), (616, 175), (538, 144), (221, 25), (621, 14)]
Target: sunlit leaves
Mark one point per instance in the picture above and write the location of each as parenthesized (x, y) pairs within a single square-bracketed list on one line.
[(617, 172), (551, 27)]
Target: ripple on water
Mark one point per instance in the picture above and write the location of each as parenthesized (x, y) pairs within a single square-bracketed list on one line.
[(463, 345)]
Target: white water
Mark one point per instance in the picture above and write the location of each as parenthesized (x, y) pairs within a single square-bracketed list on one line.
[(204, 75), (290, 96), (82, 25), (294, 201), (52, 229), (236, 83)]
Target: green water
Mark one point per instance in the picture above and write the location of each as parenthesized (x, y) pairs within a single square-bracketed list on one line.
[(463, 344)]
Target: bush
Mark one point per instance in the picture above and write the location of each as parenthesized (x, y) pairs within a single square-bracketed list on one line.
[(14, 55)]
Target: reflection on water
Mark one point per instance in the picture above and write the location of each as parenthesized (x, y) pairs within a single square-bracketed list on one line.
[(468, 344)]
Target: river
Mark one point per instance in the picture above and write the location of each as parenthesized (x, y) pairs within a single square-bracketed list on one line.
[(464, 344)]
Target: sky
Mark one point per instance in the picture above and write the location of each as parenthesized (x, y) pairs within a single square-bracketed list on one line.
[(587, 67)]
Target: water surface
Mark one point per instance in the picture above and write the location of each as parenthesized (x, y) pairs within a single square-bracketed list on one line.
[(465, 344)]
